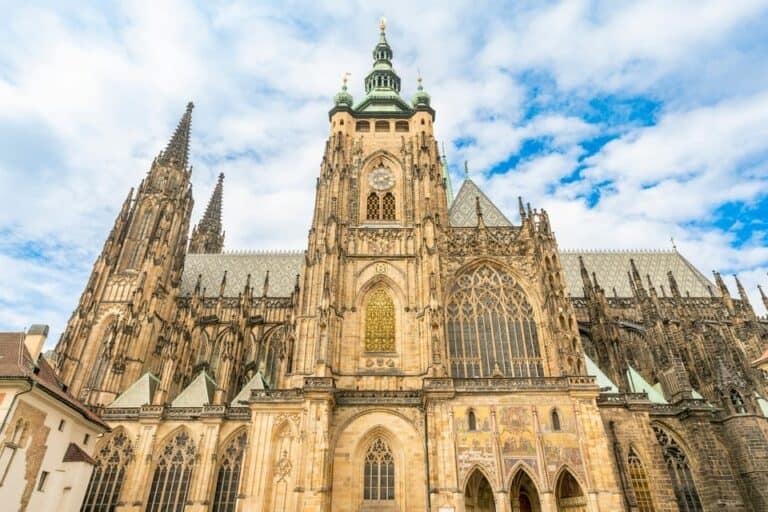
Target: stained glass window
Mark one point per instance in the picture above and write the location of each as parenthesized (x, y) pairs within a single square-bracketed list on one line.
[(639, 482), (170, 482), (228, 480), (388, 207), (490, 327), (680, 472), (107, 477), (380, 322), (372, 207), (379, 472)]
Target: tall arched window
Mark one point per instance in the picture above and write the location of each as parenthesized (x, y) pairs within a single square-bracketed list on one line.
[(372, 207), (555, 421), (639, 482), (269, 362), (380, 322), (170, 483), (228, 479), (379, 472), (107, 477), (471, 421), (490, 326), (738, 402), (144, 227), (388, 207), (680, 472)]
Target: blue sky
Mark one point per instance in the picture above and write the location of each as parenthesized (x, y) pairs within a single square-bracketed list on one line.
[(630, 122)]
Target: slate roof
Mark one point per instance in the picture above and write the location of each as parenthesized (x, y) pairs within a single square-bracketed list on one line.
[(282, 267), (463, 212), (611, 269), (17, 363)]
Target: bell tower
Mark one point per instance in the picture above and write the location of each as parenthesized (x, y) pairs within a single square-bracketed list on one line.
[(364, 307)]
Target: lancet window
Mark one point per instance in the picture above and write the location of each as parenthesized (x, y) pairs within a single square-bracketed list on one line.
[(170, 483), (228, 479), (686, 495), (373, 209), (108, 475), (490, 326), (380, 322), (639, 481), (388, 207), (379, 472)]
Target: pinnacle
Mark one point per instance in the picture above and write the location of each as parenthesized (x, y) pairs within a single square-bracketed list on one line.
[(177, 151), (207, 237)]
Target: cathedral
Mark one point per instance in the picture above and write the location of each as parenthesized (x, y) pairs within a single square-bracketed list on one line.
[(426, 351)]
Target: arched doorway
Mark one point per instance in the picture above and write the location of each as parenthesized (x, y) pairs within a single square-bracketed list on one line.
[(478, 495), (523, 494), (570, 497)]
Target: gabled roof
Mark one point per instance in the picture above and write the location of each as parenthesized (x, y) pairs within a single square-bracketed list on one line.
[(17, 363), (463, 212), (611, 269), (138, 394), (640, 385), (602, 379), (198, 393), (76, 454), (282, 266), (257, 382)]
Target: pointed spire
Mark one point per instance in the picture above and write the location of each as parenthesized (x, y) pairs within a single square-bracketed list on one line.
[(763, 296), (522, 210), (447, 177), (479, 212), (207, 236), (586, 283), (673, 284), (265, 291), (177, 151), (466, 169)]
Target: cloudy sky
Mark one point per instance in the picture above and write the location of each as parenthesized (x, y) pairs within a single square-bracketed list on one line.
[(631, 122)]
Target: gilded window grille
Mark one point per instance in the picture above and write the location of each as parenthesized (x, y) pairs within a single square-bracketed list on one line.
[(639, 481), (679, 469), (107, 478), (379, 473), (380, 322), (372, 207), (388, 207), (228, 479), (170, 483), (490, 327)]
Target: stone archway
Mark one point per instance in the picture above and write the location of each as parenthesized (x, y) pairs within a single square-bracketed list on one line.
[(478, 494), (523, 494), (569, 495)]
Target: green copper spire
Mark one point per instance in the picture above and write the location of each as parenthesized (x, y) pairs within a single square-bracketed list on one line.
[(421, 98), (343, 98)]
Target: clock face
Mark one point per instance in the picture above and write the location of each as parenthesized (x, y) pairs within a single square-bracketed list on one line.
[(381, 178)]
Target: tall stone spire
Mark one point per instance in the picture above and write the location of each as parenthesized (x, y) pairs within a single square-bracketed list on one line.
[(207, 236), (177, 151)]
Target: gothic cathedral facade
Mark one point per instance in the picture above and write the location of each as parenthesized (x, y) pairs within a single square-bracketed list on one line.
[(422, 353)]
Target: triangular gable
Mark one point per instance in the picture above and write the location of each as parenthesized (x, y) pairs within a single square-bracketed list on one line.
[(198, 393), (640, 385), (602, 379), (138, 394), (257, 382), (463, 212)]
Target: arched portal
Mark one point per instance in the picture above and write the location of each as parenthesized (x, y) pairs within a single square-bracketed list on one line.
[(478, 494), (570, 497), (523, 494)]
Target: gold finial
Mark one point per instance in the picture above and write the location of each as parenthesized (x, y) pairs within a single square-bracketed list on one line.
[(383, 24)]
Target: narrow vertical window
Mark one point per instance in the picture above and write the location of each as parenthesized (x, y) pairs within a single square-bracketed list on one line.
[(388, 207), (555, 421), (107, 478), (372, 207), (228, 479), (380, 322), (679, 469), (170, 483), (471, 421), (639, 482), (43, 480), (379, 473), (738, 402)]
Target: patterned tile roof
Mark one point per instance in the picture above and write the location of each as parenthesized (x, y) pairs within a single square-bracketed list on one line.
[(282, 267), (611, 269), (463, 212)]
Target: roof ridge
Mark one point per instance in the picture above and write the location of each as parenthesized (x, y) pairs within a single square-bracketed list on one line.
[(245, 252), (617, 251)]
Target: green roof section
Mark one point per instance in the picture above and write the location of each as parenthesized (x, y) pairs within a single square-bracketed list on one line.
[(256, 382), (138, 394), (602, 379), (198, 393), (639, 385)]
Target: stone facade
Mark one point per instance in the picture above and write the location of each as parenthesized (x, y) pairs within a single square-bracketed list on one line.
[(419, 355)]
